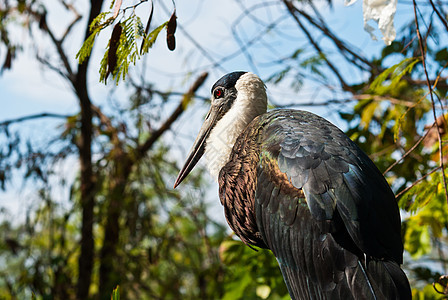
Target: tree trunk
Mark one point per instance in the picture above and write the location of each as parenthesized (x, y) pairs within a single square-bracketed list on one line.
[(85, 261), (109, 274), (123, 162)]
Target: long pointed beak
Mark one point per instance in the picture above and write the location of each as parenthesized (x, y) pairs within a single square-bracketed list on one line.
[(198, 148)]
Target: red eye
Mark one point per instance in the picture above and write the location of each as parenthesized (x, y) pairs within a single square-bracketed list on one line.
[(218, 93)]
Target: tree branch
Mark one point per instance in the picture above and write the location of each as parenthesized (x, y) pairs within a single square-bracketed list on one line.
[(353, 98), (105, 120), (415, 183), (422, 49), (33, 117), (142, 149), (440, 15), (58, 43), (292, 10), (340, 44), (410, 150), (47, 63), (69, 27)]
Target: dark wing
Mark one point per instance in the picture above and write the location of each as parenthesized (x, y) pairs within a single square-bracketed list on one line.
[(326, 212)]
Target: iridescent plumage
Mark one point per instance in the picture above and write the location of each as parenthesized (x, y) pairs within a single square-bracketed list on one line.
[(296, 184)]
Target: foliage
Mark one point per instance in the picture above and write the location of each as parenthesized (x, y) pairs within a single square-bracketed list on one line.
[(387, 124), (163, 243), (95, 28), (165, 236), (259, 277), (123, 51), (115, 293)]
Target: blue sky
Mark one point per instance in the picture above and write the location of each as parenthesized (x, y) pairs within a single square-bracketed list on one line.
[(30, 89)]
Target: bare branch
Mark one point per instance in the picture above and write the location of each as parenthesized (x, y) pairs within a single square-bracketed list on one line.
[(204, 52), (49, 65), (440, 15), (410, 150), (310, 38), (58, 44), (70, 26), (105, 120), (422, 49), (353, 98), (33, 117), (142, 149), (340, 44), (415, 183)]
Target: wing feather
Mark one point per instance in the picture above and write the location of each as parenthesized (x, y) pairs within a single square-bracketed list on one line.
[(326, 212)]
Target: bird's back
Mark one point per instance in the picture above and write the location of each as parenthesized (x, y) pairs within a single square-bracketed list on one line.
[(299, 186)]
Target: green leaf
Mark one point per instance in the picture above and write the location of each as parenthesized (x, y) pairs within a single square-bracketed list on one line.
[(231, 251), (394, 73), (427, 293), (347, 116), (417, 239), (150, 39), (235, 290), (127, 51), (279, 76), (297, 53), (395, 47), (116, 293), (313, 63), (442, 55), (368, 113), (95, 27), (86, 48)]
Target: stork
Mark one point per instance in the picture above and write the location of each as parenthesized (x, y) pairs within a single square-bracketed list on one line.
[(292, 182)]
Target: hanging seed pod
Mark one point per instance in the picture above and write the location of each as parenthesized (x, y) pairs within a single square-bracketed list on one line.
[(8, 60), (113, 47), (170, 30), (117, 8), (147, 26), (43, 21)]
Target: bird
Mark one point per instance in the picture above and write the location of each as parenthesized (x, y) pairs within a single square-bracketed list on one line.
[(292, 182)]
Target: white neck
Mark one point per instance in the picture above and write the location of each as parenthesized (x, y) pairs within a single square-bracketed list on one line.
[(251, 102)]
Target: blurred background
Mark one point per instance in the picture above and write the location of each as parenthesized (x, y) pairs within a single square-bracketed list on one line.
[(88, 159)]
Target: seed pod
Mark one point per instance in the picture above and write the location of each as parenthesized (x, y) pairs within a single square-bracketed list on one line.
[(171, 41), (43, 21), (170, 30), (172, 24), (8, 60), (117, 8), (113, 47)]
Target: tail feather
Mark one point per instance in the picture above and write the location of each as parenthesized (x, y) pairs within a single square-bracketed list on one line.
[(378, 280), (390, 279)]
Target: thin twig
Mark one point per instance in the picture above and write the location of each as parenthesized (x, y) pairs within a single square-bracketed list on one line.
[(410, 150), (441, 17), (143, 148), (432, 100), (70, 26), (340, 44), (353, 98), (415, 183), (33, 117), (58, 44), (52, 67), (105, 120), (336, 72), (429, 130)]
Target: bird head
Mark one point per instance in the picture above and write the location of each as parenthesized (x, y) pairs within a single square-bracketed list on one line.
[(237, 98)]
